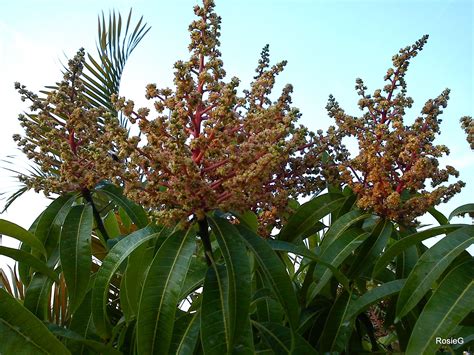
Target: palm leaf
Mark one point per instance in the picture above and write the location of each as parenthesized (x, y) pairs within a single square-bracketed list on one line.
[(101, 77)]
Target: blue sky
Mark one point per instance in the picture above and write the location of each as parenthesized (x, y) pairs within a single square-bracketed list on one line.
[(327, 44)]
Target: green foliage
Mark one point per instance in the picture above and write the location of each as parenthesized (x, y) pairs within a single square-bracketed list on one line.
[(336, 290)]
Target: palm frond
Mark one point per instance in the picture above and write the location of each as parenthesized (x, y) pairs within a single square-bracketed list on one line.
[(101, 78), (115, 44)]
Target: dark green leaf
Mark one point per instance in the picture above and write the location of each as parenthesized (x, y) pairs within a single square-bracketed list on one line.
[(447, 306), (308, 215), (30, 260), (238, 275), (109, 266), (161, 291), (75, 253), (282, 340), (22, 332), (274, 271), (15, 231), (406, 242), (134, 211), (430, 266)]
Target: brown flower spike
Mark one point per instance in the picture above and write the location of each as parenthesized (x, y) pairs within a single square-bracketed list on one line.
[(67, 138), (207, 148), (395, 161)]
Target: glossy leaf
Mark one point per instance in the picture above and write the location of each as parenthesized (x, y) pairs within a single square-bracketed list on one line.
[(372, 296), (75, 253), (238, 275), (215, 332), (303, 251), (340, 225), (430, 266), (335, 255), (38, 295), (282, 340), (110, 265), (406, 242), (274, 271), (308, 215), (22, 331), (97, 347), (136, 213), (161, 291), (371, 248), (446, 308), (48, 225), (133, 278), (187, 336), (334, 335), (462, 210), (28, 259), (15, 231)]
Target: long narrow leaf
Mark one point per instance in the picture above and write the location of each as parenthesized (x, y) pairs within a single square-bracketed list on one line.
[(15, 231), (449, 304), (109, 266), (406, 242), (75, 253), (21, 330), (136, 213), (238, 275), (275, 272), (161, 291), (308, 215), (215, 332), (430, 266), (28, 259)]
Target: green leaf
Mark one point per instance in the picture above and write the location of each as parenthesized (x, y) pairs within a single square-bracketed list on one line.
[(133, 278), (371, 248), (340, 225), (215, 332), (38, 295), (97, 347), (282, 340), (430, 266), (15, 231), (446, 308), (274, 271), (81, 324), (308, 215), (194, 277), (22, 332), (358, 305), (334, 335), (161, 291), (136, 213), (440, 218), (398, 247), (461, 210), (30, 260), (238, 275), (109, 266), (75, 253), (111, 225), (303, 251), (48, 225), (250, 220), (186, 337), (335, 255)]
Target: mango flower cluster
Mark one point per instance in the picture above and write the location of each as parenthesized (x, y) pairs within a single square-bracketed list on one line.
[(467, 124), (395, 161), (66, 138), (208, 148)]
